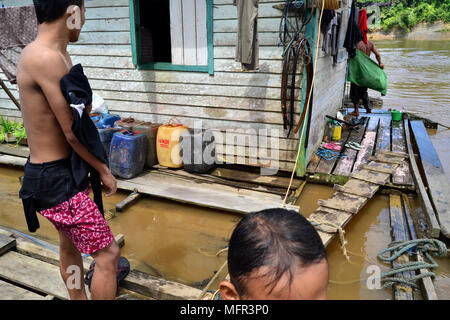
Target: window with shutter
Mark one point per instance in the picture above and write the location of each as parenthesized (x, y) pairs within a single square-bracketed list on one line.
[(172, 34)]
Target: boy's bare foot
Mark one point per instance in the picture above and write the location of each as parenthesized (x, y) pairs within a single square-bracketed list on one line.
[(354, 113)]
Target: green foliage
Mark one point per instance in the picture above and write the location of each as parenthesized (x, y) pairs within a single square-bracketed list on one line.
[(7, 125), (406, 14), (20, 134), (10, 126)]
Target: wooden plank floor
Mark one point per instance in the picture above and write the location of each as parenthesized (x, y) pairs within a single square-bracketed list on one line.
[(38, 269), (436, 178), (378, 136), (201, 193)]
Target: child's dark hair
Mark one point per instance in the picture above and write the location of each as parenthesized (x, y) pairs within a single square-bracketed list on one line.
[(280, 239), (51, 10)]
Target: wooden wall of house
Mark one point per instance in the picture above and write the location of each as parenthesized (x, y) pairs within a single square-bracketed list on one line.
[(232, 99)]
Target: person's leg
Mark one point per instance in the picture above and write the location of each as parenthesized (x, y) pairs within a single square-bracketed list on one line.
[(355, 99), (104, 280), (366, 100), (71, 265)]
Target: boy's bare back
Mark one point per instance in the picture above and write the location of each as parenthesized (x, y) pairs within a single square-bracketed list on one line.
[(39, 72)]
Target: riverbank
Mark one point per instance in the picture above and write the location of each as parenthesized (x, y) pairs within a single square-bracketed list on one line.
[(423, 31)]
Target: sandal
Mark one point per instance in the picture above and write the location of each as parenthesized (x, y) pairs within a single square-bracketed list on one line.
[(332, 146), (354, 145), (123, 268)]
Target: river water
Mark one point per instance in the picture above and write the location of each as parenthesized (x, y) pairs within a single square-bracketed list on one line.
[(179, 242), (419, 82)]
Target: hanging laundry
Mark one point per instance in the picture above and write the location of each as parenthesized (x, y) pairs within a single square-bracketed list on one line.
[(328, 28), (334, 38), (363, 24), (18, 27), (247, 50), (353, 35)]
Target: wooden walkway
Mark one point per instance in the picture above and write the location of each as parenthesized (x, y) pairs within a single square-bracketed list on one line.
[(350, 198), (30, 271), (378, 133)]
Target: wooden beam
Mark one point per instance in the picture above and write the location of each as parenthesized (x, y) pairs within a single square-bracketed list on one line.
[(372, 177), (136, 281), (10, 95), (368, 144), (399, 233), (32, 273), (12, 292), (344, 202), (435, 176), (6, 243), (210, 195), (272, 181), (358, 188), (377, 167), (386, 159), (133, 197), (435, 228), (427, 282)]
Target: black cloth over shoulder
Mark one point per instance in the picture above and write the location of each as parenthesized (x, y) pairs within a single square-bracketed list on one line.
[(77, 91), (354, 34)]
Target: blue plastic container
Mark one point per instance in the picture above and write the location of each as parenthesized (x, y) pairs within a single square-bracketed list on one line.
[(128, 152), (106, 136), (107, 121)]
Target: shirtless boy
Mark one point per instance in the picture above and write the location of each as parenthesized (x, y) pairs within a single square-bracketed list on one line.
[(48, 121), (357, 92)]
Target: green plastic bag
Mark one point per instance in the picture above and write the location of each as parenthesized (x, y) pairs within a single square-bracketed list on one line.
[(366, 73)]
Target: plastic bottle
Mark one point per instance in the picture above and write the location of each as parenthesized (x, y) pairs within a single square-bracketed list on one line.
[(167, 145), (128, 154)]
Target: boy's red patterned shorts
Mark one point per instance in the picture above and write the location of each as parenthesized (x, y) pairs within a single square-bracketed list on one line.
[(82, 222)]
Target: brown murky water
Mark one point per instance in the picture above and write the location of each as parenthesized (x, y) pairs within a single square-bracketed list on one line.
[(179, 242)]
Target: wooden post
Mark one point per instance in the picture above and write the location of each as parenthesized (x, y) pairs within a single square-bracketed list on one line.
[(134, 196), (10, 95)]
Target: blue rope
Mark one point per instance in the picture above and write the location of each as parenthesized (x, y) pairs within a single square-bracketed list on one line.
[(329, 154), (42, 243)]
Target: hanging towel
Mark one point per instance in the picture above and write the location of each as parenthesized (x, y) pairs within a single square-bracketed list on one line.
[(18, 27), (247, 50), (353, 35), (363, 24)]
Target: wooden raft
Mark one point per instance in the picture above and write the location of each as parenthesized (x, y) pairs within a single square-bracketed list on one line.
[(350, 198), (31, 271)]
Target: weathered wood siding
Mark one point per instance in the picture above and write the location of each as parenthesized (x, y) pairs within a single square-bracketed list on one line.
[(231, 100)]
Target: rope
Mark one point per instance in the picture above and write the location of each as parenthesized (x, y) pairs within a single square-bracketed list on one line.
[(329, 154), (341, 231), (423, 246)]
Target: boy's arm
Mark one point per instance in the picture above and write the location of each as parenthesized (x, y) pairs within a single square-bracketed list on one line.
[(49, 71)]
